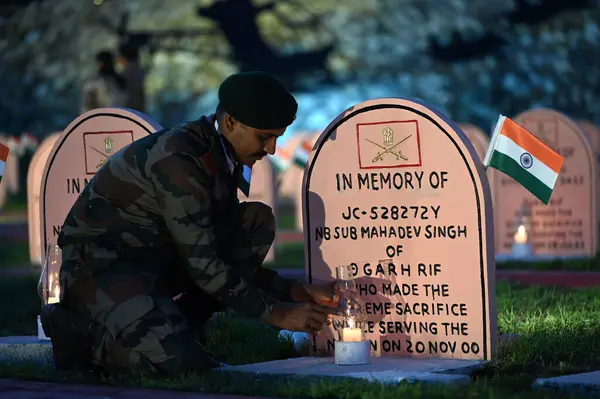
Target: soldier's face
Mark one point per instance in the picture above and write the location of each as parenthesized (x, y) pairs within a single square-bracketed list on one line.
[(252, 144)]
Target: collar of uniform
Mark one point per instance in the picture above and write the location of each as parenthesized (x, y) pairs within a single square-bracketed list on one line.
[(222, 140), (245, 172)]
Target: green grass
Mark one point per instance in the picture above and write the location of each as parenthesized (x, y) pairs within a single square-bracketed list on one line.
[(13, 252), (286, 221), (288, 256), (14, 204), (559, 328)]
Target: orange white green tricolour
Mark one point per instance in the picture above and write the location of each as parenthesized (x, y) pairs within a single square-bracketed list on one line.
[(281, 159), (302, 153), (524, 157)]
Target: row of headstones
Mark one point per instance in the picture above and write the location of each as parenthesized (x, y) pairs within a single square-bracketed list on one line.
[(392, 188)]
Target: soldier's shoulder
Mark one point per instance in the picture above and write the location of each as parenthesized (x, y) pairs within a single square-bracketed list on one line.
[(189, 138)]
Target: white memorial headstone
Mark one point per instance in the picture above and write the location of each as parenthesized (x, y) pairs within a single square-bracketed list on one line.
[(34, 185), (79, 151), (394, 192)]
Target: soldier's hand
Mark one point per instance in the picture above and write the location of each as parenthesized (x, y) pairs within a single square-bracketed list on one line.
[(304, 317)]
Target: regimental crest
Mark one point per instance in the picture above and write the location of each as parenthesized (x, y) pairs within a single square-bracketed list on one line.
[(108, 145), (99, 146), (388, 144), (388, 136)]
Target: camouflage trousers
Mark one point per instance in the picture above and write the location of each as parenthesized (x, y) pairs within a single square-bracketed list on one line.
[(165, 340)]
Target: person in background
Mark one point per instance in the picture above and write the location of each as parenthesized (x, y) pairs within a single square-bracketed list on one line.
[(134, 77), (107, 88)]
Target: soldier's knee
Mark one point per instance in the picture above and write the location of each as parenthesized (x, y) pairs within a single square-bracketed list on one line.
[(261, 215)]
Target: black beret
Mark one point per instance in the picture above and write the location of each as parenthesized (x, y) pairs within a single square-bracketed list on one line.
[(258, 100)]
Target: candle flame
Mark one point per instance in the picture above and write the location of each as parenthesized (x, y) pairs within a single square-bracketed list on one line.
[(351, 323), (521, 235)]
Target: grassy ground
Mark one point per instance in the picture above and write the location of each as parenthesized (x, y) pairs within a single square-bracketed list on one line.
[(13, 252), (560, 334), (11, 207)]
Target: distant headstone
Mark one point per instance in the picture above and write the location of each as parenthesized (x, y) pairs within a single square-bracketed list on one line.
[(566, 227), (393, 190), (34, 185), (76, 156), (593, 133), (262, 189), (287, 187), (305, 146), (13, 185), (477, 137)]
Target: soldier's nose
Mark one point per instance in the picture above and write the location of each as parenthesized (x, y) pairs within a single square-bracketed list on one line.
[(270, 148)]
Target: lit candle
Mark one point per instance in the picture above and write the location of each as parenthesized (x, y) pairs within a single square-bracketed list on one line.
[(521, 235), (350, 333), (54, 296)]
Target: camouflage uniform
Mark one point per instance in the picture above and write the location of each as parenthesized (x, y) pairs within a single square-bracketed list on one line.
[(162, 218)]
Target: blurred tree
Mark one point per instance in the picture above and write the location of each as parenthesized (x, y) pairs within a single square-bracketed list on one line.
[(46, 50), (190, 46)]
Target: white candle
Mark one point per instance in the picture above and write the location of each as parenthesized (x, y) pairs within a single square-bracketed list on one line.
[(54, 296), (351, 334), (521, 235)]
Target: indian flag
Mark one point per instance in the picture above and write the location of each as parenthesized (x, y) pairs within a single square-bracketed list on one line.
[(281, 159), (4, 150), (302, 153), (519, 154)]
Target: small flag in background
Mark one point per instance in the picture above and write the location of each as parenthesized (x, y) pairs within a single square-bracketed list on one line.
[(4, 150), (281, 159), (521, 155), (302, 153)]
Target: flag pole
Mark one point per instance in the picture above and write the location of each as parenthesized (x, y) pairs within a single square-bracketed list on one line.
[(493, 139)]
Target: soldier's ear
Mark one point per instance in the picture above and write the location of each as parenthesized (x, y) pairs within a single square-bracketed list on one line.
[(230, 122)]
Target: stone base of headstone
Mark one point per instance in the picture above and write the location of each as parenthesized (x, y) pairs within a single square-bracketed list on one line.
[(381, 369), (588, 383), (26, 349)]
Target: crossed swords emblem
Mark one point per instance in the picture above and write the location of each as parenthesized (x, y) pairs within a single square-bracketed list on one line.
[(389, 150), (108, 147)]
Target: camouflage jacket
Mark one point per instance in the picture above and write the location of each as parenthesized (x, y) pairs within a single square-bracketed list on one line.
[(152, 202)]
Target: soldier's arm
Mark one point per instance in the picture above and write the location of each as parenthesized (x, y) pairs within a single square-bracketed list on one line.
[(182, 189), (277, 286)]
